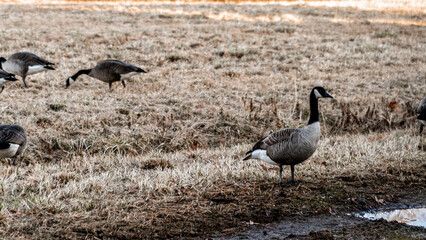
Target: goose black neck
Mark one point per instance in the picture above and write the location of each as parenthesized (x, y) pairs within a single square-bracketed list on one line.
[(2, 60), (313, 102), (82, 71)]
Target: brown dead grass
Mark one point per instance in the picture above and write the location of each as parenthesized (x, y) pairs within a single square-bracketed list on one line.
[(220, 77)]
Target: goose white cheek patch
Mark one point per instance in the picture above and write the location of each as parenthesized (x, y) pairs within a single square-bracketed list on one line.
[(71, 81), (2, 81), (317, 94)]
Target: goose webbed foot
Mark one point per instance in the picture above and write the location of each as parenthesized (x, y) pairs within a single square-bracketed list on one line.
[(13, 163), (281, 184), (291, 184)]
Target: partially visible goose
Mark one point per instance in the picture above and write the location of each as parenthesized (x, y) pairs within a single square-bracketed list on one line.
[(13, 141), (108, 71), (421, 114), (24, 64), (291, 146), (5, 77)]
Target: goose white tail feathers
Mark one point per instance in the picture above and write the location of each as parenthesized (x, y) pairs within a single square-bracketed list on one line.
[(38, 68)]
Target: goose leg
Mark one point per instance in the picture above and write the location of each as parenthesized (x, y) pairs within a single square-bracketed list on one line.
[(23, 79), (14, 161), (292, 182), (124, 84), (2, 88), (110, 86), (281, 176)]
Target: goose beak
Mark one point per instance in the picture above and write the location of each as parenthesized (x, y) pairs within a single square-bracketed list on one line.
[(328, 95)]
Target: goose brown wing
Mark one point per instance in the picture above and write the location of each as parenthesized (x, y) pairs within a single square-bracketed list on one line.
[(275, 138), (30, 59), (120, 67), (12, 134), (281, 141), (280, 136)]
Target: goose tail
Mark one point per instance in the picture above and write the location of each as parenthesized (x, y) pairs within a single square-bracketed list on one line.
[(249, 156), (49, 67), (141, 70)]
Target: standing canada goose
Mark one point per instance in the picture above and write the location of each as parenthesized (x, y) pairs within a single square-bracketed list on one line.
[(421, 114), (291, 146), (24, 64), (13, 141), (108, 71), (5, 77)]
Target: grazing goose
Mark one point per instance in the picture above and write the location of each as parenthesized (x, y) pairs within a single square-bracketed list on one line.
[(24, 64), (13, 141), (291, 146), (5, 77), (421, 114), (108, 71)]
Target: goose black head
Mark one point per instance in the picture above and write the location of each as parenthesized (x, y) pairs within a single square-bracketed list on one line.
[(68, 82), (320, 92), (11, 77)]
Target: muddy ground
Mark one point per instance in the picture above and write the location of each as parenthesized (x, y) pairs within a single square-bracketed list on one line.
[(312, 210), (344, 197)]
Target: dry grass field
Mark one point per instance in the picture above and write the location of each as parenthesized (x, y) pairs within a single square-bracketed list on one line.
[(163, 157)]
